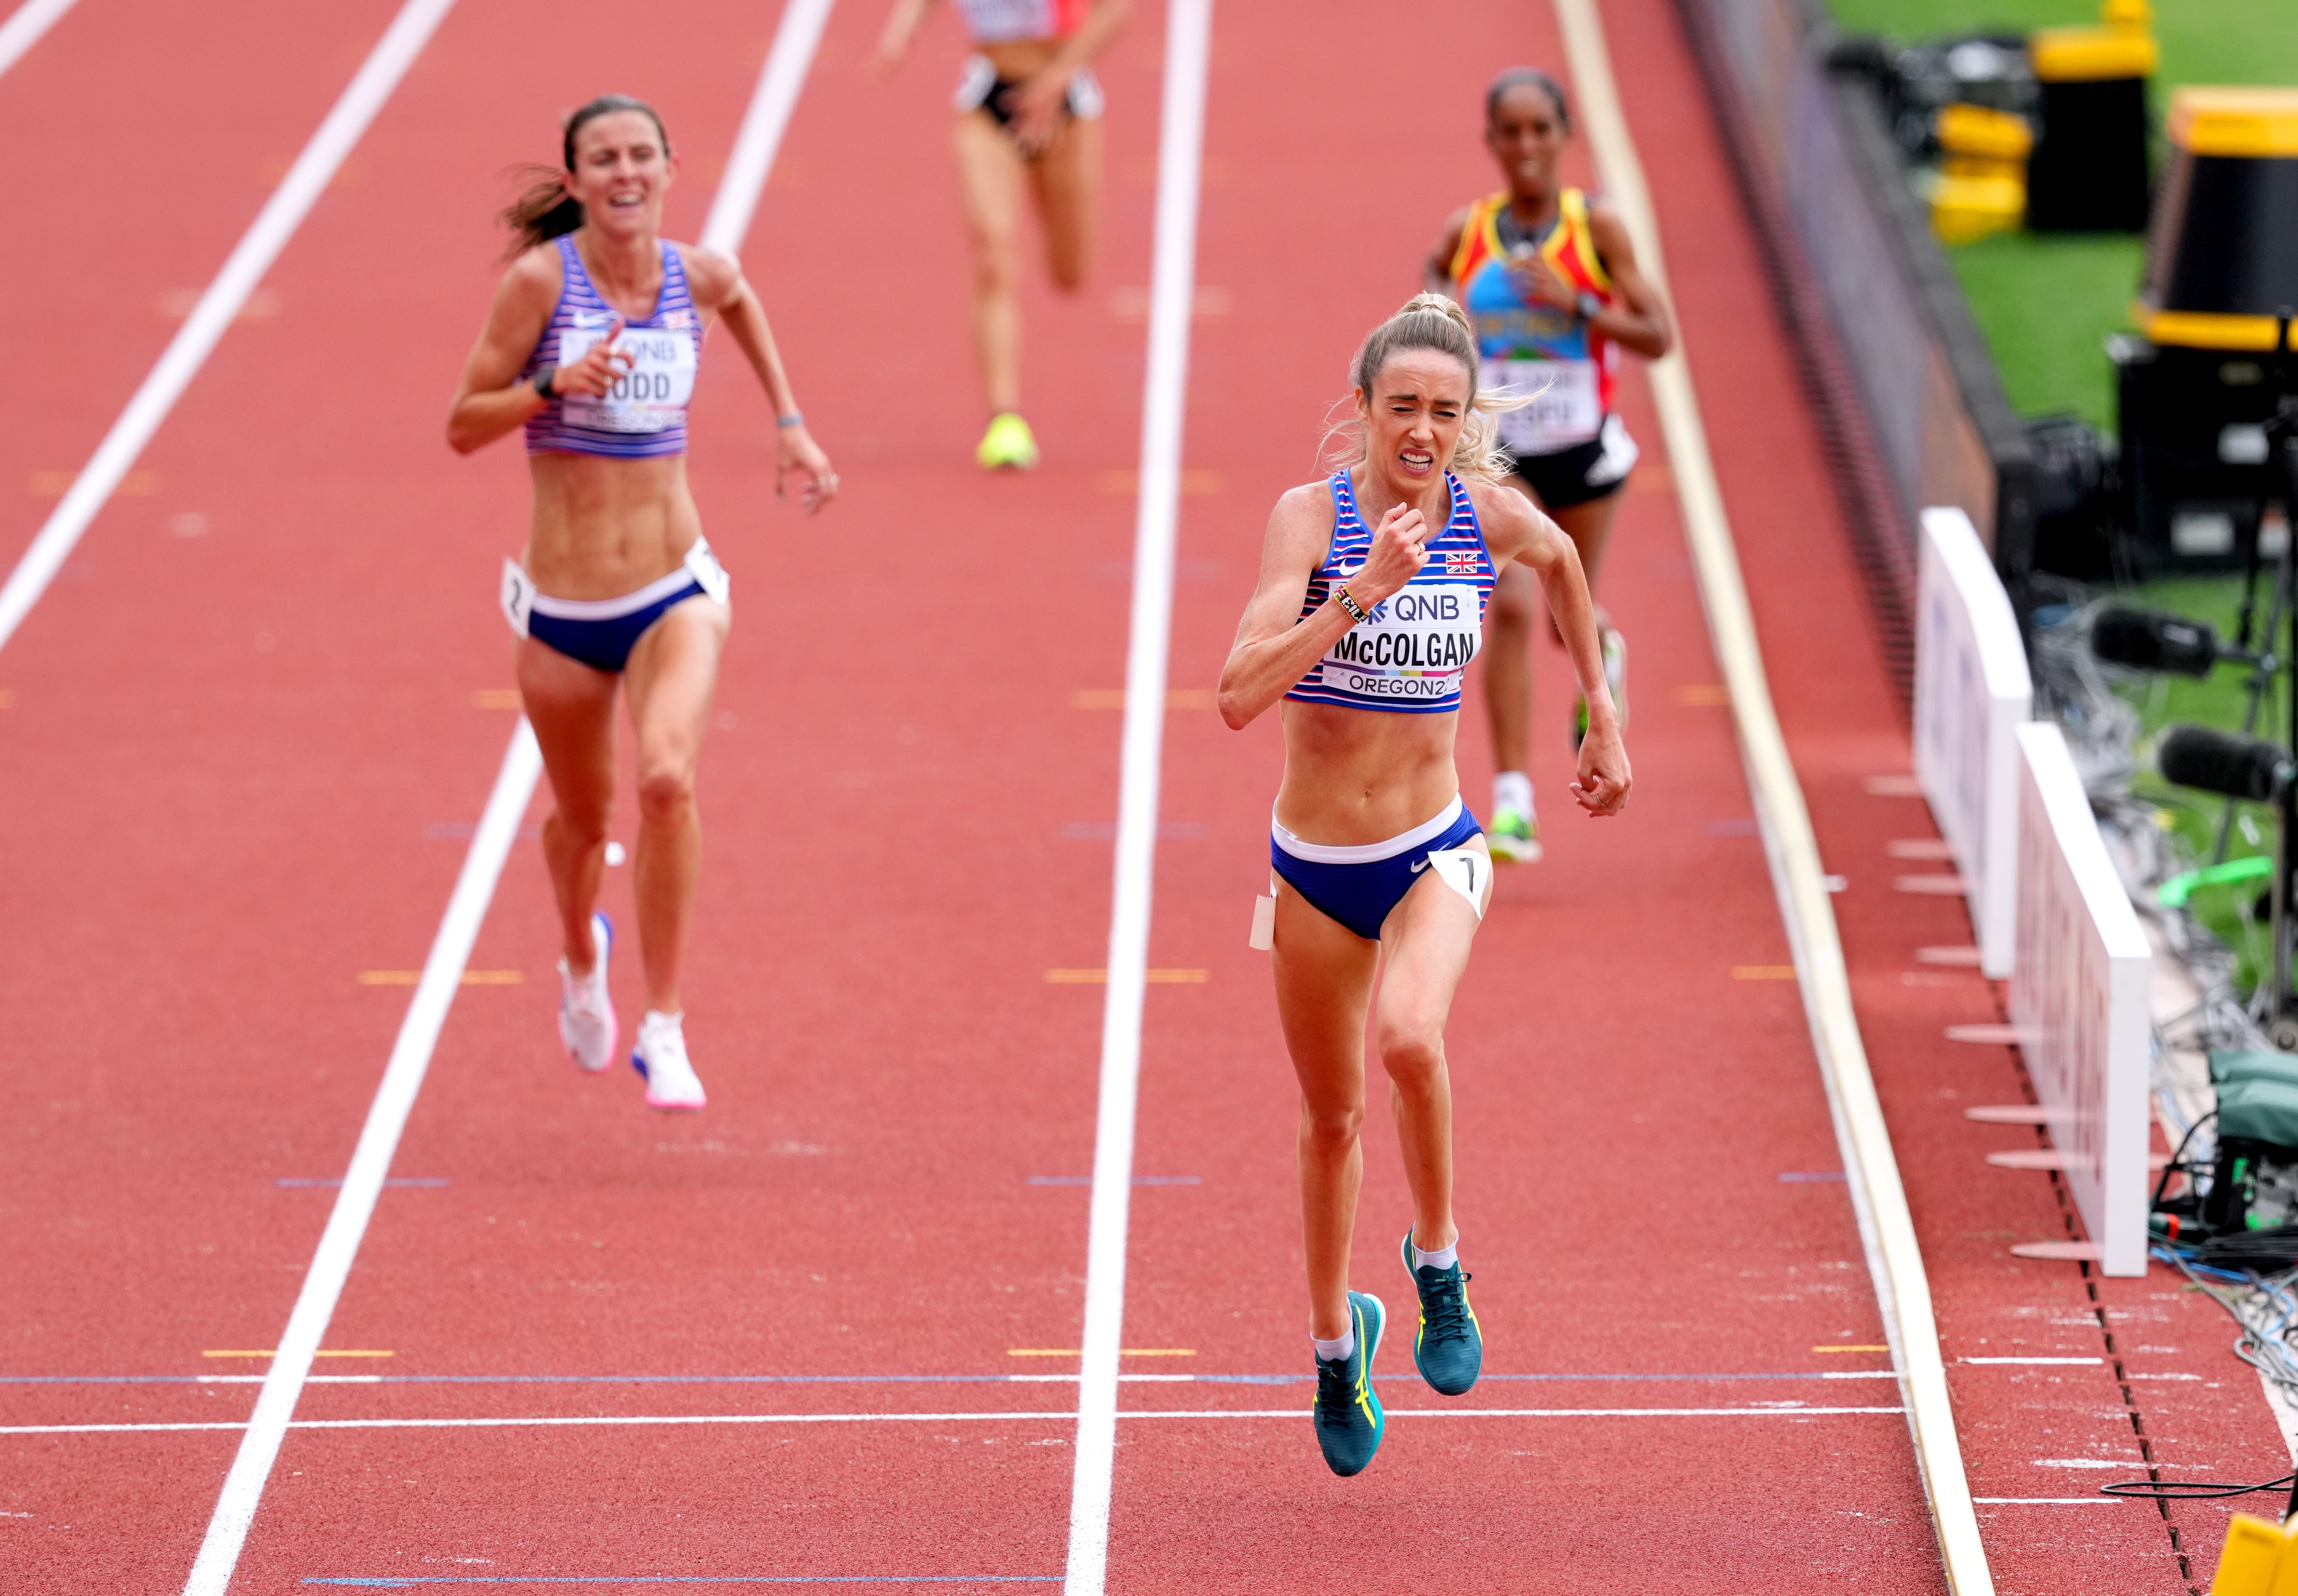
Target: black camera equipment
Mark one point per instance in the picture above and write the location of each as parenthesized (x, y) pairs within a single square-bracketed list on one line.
[(2242, 767)]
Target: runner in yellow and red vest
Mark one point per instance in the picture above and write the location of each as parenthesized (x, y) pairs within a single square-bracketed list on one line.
[(1549, 277)]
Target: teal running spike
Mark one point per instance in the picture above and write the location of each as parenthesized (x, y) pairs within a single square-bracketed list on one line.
[(1450, 1348), (1348, 1414)]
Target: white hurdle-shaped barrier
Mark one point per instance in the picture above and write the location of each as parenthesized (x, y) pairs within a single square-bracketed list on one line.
[(2047, 908), (2079, 1000), (1973, 692)]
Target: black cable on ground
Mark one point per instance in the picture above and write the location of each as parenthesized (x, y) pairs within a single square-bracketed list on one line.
[(2191, 1490)]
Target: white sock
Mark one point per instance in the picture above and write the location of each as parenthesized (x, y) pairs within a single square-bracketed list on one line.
[(1512, 789), (1342, 1347), (1442, 1258)]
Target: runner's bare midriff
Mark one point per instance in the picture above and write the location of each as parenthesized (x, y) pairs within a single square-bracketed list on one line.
[(1355, 776), (605, 527), (1018, 60)]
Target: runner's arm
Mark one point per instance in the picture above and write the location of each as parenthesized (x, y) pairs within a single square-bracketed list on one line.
[(1516, 530), (1639, 323), (894, 39), (721, 289), (1271, 651), (491, 400), (1436, 271)]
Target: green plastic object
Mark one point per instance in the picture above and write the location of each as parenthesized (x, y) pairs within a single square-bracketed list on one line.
[(2228, 1067), (2262, 1108), (2174, 892)]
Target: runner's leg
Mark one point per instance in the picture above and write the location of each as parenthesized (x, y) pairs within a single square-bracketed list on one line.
[(990, 174), (672, 673), (1426, 941), (1066, 180), (572, 708), (1324, 986), (1588, 525)]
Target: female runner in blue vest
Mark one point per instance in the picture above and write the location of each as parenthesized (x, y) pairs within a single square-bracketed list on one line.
[(1371, 601), (591, 346), (1549, 277)]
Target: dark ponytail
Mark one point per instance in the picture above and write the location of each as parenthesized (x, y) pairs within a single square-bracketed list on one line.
[(544, 208)]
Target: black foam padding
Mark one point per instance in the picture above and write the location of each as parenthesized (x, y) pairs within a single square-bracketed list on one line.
[(2219, 762), (2150, 640)]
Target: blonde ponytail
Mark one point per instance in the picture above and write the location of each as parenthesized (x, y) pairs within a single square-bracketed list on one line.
[(1430, 321)]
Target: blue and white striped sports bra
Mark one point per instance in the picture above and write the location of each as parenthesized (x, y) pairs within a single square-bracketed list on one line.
[(645, 414), (1406, 654)]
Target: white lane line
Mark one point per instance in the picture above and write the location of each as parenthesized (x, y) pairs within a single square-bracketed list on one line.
[(2047, 1502), (386, 1117), (23, 31), (1062, 1416), (1887, 1227), (787, 63), (761, 134), (1180, 145), (2093, 1362), (212, 317)]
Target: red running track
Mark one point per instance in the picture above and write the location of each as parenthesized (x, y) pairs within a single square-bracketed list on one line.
[(250, 756)]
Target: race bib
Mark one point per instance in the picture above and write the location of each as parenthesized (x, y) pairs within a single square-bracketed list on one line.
[(1411, 647), (708, 574), (651, 397), (518, 596), (1567, 408)]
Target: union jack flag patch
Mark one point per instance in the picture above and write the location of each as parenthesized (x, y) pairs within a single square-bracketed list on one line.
[(1460, 562)]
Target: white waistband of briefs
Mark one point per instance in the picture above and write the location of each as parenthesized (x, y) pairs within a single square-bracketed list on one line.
[(1365, 853), (615, 609)]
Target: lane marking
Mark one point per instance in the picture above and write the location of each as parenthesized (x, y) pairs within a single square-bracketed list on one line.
[(403, 1582), (1137, 1179), (755, 144), (498, 698), (1763, 972), (315, 1180), (1165, 400), (1887, 1228), (322, 1352), (880, 1379), (219, 306), (469, 977), (1808, 1176), (1057, 1417), (1703, 696), (1115, 698), (354, 1204), (1128, 1351), (2093, 1362), (23, 29), (1153, 977)]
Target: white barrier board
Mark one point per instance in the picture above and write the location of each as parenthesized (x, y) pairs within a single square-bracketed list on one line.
[(2078, 999), (1972, 693)]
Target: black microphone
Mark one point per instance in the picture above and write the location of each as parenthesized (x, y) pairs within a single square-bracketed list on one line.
[(2151, 640), (2219, 762)]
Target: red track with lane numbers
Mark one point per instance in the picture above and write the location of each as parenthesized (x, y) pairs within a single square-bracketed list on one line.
[(250, 728)]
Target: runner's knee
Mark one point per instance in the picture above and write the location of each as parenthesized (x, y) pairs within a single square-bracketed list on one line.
[(667, 790), (1331, 1127), (1412, 1051)]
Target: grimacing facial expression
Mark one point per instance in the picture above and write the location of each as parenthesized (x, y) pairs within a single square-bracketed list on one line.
[(1413, 416)]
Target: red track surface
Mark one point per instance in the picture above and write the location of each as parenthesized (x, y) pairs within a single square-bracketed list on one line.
[(225, 753)]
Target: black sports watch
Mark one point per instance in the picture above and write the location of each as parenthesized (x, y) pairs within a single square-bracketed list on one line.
[(544, 373), (1589, 306)]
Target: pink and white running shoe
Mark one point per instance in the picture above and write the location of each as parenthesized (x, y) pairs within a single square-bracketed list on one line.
[(586, 1012), (660, 1054)]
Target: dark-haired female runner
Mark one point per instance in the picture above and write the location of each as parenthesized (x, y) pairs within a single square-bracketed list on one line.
[(591, 346), (1548, 277), (1370, 603), (1029, 113)]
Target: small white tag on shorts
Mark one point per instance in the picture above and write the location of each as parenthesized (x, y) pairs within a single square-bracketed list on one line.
[(518, 596), (1466, 871), (703, 566), (1264, 925)]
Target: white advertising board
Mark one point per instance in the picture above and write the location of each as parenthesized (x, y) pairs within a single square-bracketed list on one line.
[(1971, 693), (2078, 999)]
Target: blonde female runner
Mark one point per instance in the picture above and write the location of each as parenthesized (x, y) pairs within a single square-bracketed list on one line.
[(591, 346), (1370, 603)]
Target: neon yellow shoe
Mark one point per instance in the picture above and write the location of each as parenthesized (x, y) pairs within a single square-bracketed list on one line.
[(1007, 444), (1513, 837)]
